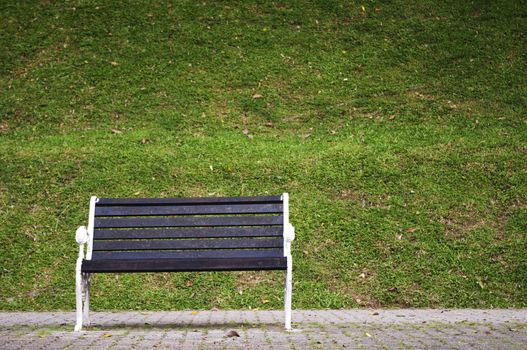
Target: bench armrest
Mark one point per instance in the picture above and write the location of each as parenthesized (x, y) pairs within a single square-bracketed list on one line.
[(81, 235)]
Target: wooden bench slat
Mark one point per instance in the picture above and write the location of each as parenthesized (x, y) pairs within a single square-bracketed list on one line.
[(190, 221), (180, 265), (189, 254), (199, 232), (198, 200), (182, 244), (153, 210)]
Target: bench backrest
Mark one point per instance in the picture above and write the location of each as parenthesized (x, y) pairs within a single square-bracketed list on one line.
[(187, 228)]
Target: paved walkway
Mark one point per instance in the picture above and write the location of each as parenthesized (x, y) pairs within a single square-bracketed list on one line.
[(319, 329)]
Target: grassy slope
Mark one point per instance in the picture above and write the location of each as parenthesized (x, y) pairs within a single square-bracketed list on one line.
[(399, 130)]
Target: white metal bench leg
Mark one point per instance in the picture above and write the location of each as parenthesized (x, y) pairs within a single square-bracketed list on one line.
[(80, 284), (78, 292), (288, 292), (86, 285)]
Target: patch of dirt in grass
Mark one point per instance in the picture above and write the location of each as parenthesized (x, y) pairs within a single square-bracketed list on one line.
[(364, 300), (421, 95), (196, 191), (315, 249), (41, 283), (31, 231), (363, 200), (159, 280), (292, 118), (251, 279), (466, 105), (457, 224), (458, 227), (499, 259), (372, 115), (4, 200), (481, 166), (355, 286), (370, 302), (51, 53), (415, 292), (349, 194)]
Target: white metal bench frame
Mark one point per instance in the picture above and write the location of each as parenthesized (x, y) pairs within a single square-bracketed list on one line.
[(84, 236)]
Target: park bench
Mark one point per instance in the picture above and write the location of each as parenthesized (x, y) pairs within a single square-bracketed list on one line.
[(183, 234)]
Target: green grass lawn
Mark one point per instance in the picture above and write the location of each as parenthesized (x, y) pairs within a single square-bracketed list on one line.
[(399, 129)]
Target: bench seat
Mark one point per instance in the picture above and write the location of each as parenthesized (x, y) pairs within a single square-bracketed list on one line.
[(184, 265)]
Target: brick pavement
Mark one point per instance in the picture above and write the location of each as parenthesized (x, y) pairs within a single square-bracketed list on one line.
[(313, 329)]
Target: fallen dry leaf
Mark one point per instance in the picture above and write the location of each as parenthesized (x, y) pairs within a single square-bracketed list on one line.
[(195, 312), (113, 63), (116, 131), (188, 283), (411, 230), (248, 133), (307, 134), (269, 123), (255, 96), (392, 117), (232, 333)]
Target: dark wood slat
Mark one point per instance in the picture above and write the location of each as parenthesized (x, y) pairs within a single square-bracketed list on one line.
[(190, 221), (189, 254), (198, 200), (179, 265), (189, 209), (185, 244), (200, 232)]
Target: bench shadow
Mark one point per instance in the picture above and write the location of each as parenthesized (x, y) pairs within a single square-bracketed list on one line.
[(107, 326)]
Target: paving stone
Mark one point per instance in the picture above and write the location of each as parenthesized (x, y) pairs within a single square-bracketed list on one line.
[(313, 329)]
